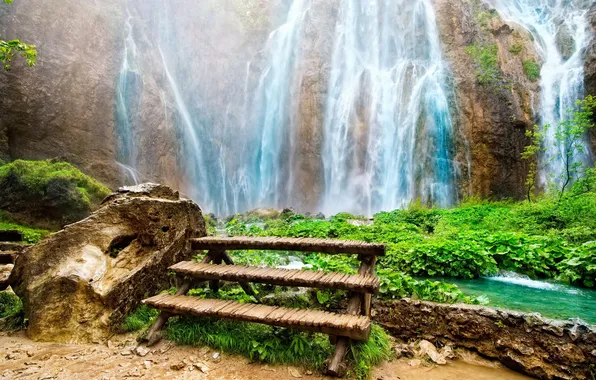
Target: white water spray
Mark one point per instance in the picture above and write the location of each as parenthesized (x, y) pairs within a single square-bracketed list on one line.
[(561, 34), (388, 129)]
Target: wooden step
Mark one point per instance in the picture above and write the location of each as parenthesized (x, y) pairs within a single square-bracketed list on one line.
[(282, 277), (11, 236), (7, 257), (350, 326), (289, 244)]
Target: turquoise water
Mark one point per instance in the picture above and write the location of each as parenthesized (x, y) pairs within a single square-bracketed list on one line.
[(552, 300)]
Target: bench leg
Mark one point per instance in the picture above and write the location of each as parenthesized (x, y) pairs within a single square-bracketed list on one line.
[(217, 259), (336, 366), (154, 334), (245, 285)]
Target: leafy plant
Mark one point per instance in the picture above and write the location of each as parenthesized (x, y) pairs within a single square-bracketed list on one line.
[(532, 69), (516, 48), (531, 154), (8, 50), (486, 60), (569, 135)]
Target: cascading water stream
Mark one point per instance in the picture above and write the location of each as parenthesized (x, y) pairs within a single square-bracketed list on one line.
[(274, 107), (388, 129), (128, 82), (561, 34)]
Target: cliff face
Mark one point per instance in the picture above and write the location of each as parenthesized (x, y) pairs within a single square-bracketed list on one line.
[(63, 106), (118, 81), (590, 66), (496, 112)]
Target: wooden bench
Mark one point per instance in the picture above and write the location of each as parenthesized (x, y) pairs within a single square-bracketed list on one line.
[(354, 324)]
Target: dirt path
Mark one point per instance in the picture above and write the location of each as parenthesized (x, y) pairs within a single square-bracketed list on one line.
[(21, 358)]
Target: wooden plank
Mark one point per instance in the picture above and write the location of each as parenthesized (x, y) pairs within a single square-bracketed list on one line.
[(289, 244), (281, 277), (7, 258), (11, 236), (353, 326)]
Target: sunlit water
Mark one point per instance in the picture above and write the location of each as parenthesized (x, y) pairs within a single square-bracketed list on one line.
[(387, 130), (552, 300), (561, 33)]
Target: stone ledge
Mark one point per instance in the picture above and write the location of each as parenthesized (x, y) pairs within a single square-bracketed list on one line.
[(525, 342)]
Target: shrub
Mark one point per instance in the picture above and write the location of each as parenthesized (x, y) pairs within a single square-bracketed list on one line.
[(44, 190), (516, 48), (486, 60), (532, 70)]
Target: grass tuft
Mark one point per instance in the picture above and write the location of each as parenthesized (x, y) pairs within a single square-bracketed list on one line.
[(140, 319)]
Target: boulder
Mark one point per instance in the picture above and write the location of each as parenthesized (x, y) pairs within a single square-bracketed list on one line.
[(77, 285)]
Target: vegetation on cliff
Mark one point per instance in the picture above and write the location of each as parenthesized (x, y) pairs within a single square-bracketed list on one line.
[(8, 50), (48, 193)]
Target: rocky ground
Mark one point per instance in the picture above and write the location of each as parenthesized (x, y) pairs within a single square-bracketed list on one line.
[(21, 358)]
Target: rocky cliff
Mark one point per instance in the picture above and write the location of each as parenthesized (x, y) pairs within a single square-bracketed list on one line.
[(495, 111), (118, 81), (63, 106)]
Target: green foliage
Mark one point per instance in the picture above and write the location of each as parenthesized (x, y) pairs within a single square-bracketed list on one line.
[(30, 235), (532, 69), (49, 190), (530, 154), (140, 319), (8, 50), (569, 136), (580, 267), (275, 345), (259, 342), (10, 304), (36, 175), (486, 60), (516, 48), (477, 238), (396, 285), (12, 315), (366, 355)]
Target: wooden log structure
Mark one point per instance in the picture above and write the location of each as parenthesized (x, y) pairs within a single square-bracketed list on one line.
[(11, 236), (354, 324)]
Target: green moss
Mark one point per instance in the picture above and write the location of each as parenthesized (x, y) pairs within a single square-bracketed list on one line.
[(532, 70), (10, 304), (37, 174), (48, 193), (486, 60), (30, 235), (516, 49)]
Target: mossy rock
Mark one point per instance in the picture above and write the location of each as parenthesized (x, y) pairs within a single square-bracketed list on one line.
[(48, 193)]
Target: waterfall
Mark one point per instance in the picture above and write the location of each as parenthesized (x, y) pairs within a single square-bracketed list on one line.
[(388, 129), (274, 109), (127, 88), (554, 24)]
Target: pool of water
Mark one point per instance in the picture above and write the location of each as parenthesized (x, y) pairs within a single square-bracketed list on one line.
[(514, 292)]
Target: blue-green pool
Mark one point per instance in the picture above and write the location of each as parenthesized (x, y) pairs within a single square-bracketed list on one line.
[(552, 300)]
